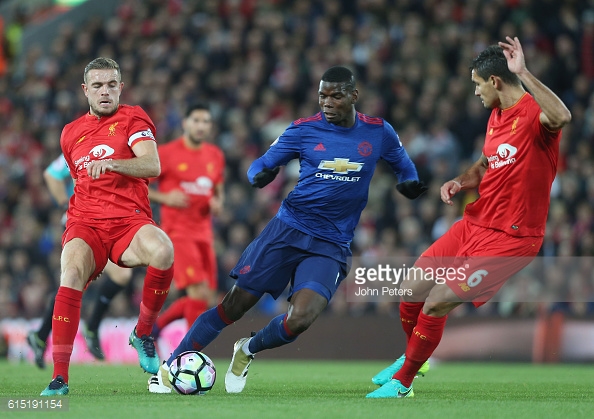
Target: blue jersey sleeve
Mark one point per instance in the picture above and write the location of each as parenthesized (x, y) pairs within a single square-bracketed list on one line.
[(283, 150), (396, 156)]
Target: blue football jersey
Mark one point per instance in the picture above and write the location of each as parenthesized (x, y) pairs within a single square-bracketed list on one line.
[(337, 164)]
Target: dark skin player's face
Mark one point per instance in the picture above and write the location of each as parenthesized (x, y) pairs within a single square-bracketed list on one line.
[(337, 103)]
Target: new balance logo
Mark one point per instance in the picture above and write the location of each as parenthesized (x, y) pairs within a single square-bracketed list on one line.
[(320, 147)]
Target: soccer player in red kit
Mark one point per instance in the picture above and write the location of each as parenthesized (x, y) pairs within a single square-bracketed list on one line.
[(190, 190), (111, 152), (502, 231)]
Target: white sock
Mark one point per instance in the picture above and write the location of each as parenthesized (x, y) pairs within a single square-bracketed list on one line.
[(246, 347)]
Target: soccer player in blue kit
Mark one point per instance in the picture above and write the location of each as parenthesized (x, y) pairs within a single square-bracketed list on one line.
[(307, 243)]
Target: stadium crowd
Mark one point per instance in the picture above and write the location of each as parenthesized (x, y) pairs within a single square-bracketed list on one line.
[(256, 63)]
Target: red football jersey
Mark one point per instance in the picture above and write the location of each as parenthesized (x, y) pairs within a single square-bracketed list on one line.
[(522, 154), (196, 172), (89, 138)]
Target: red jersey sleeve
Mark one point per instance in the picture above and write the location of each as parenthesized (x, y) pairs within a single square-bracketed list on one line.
[(141, 127), (544, 133)]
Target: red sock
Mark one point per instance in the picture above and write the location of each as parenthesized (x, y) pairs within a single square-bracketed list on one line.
[(154, 294), (223, 316), (193, 309), (423, 341), (174, 312), (409, 314), (65, 325)]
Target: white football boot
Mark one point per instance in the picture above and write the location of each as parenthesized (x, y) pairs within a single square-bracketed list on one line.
[(236, 376), (159, 383)]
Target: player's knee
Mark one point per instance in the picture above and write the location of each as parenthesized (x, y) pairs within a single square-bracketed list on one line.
[(441, 301), (299, 319), (415, 289), (438, 309), (237, 302), (163, 255), (233, 311), (73, 277)]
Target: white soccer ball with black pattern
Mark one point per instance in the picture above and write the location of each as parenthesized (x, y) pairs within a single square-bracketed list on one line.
[(192, 372)]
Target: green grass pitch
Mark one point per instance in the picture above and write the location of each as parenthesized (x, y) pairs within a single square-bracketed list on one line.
[(319, 389)]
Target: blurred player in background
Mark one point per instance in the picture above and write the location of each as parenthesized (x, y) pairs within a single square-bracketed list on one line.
[(505, 226), (190, 191), (59, 183), (307, 244), (111, 153)]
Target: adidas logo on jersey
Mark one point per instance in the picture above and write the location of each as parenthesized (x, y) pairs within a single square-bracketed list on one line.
[(320, 147)]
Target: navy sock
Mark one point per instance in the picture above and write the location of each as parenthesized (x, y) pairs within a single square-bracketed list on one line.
[(273, 335), (205, 329), (46, 322), (108, 290)]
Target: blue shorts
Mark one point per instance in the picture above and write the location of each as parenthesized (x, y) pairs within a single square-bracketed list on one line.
[(281, 255)]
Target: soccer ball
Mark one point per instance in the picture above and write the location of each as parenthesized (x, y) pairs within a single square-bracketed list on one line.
[(192, 372)]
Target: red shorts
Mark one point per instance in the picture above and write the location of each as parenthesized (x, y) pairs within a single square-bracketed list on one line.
[(108, 239), (480, 259), (195, 263)]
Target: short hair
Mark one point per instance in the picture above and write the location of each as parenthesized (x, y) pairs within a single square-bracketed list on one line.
[(339, 74), (197, 106), (492, 62), (102, 63)]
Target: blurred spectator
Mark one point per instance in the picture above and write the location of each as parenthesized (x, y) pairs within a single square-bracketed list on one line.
[(257, 64)]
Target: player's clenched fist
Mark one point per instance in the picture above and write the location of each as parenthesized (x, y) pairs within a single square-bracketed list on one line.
[(265, 177), (449, 189), (98, 167), (412, 189)]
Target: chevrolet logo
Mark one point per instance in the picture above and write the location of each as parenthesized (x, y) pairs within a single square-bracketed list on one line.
[(342, 166)]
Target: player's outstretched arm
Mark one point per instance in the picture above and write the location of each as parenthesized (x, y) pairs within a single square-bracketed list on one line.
[(396, 156), (554, 112)]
